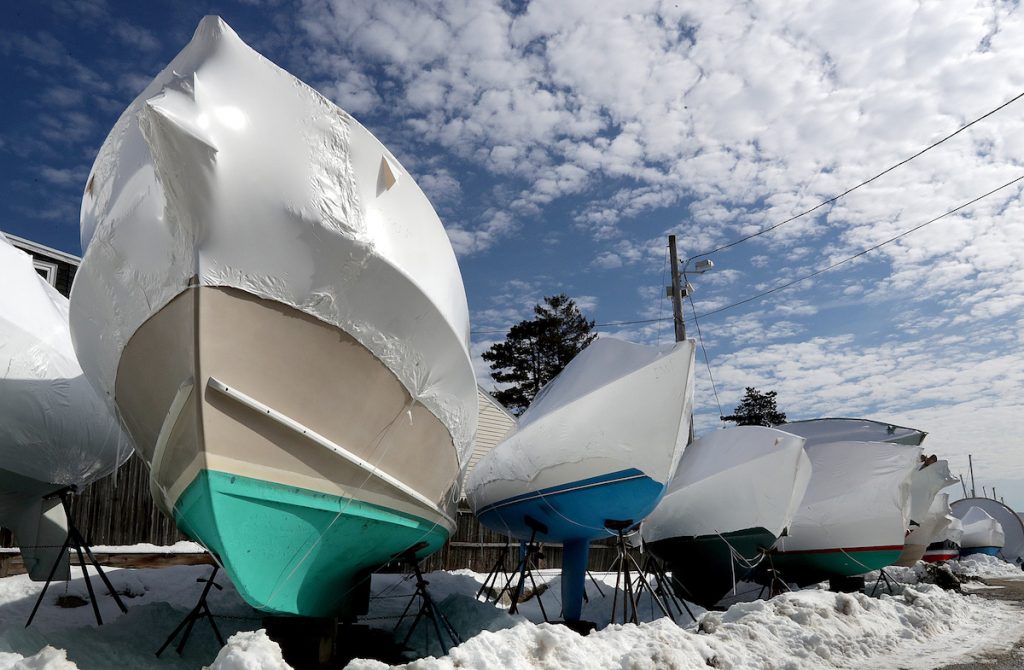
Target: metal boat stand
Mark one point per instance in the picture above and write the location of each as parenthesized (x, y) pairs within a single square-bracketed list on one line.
[(663, 585), (76, 541), (428, 609), (529, 554), (200, 611), (626, 567), (882, 576), (775, 584), (499, 567)]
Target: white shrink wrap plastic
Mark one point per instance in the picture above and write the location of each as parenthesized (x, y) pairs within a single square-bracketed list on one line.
[(617, 405), (981, 530), (733, 479), (54, 427), (859, 496), (228, 171)]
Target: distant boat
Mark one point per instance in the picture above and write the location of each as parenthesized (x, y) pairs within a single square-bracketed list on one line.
[(276, 311), (735, 492), (854, 516), (1012, 550), (592, 453), (944, 543), (55, 430), (928, 479), (982, 533)]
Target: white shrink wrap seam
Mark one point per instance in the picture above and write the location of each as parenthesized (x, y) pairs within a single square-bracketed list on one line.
[(228, 171)]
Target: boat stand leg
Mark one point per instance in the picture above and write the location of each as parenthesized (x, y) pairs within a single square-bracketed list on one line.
[(46, 585), (524, 559), (200, 611), (428, 610), (597, 585), (492, 576)]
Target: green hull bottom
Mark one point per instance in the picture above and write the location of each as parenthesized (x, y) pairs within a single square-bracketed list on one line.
[(813, 567), (703, 568), (295, 551)]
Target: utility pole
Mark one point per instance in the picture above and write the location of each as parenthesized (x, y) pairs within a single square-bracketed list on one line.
[(676, 291), (970, 464)]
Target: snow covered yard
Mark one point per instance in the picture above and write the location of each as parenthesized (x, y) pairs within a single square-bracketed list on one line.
[(921, 626)]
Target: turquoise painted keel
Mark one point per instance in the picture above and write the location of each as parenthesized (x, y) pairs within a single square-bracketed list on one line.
[(291, 550)]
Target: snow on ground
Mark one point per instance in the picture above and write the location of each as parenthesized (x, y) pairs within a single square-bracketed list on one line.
[(985, 567), (921, 626)]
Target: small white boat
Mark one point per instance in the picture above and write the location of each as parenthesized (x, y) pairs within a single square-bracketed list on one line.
[(735, 492), (930, 477), (593, 452), (855, 514), (276, 310), (1013, 528), (55, 430), (982, 534)]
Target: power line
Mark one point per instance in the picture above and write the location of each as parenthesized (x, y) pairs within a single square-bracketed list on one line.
[(860, 253), (785, 285), (707, 360), (863, 183)]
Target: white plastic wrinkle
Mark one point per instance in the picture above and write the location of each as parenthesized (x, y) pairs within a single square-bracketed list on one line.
[(980, 530), (54, 427), (925, 484), (228, 171), (616, 406), (858, 496), (733, 479)]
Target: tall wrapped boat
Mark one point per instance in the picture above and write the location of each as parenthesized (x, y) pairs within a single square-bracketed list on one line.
[(592, 453), (931, 476), (854, 516), (55, 430), (275, 309), (734, 494)]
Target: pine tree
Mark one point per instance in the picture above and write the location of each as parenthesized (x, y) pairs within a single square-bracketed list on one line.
[(535, 351), (757, 409)]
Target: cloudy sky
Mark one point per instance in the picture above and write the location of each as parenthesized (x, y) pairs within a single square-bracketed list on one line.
[(561, 141)]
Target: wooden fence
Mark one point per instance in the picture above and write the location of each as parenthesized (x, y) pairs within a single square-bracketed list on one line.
[(118, 510)]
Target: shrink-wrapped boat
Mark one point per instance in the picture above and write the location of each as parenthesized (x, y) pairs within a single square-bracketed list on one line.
[(1012, 550), (55, 430), (734, 494), (272, 304), (928, 479), (592, 453), (945, 544), (982, 534), (820, 431), (854, 515)]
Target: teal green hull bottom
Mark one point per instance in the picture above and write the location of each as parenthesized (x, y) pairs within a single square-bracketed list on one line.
[(291, 550), (811, 567), (704, 568)]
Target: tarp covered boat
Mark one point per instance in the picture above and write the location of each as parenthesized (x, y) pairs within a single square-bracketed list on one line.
[(1012, 550), (734, 493), (854, 516), (593, 451), (945, 544), (55, 430), (982, 534), (276, 310), (820, 431), (928, 479)]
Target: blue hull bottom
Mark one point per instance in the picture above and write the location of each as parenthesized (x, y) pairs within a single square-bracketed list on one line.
[(574, 514), (988, 551)]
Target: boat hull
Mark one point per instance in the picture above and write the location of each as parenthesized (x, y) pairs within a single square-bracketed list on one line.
[(283, 446), (576, 510), (988, 551), (704, 568), (816, 565)]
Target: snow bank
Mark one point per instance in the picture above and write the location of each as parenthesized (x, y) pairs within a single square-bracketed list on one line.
[(985, 567), (48, 658), (250, 651), (805, 629)]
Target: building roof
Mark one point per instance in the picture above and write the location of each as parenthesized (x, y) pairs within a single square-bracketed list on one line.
[(42, 249)]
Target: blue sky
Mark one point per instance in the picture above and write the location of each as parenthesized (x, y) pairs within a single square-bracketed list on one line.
[(561, 142)]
